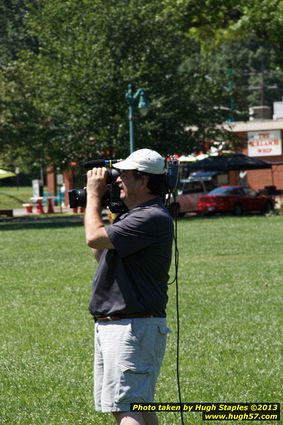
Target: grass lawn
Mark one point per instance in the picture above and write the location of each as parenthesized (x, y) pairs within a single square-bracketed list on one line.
[(230, 292), (13, 197)]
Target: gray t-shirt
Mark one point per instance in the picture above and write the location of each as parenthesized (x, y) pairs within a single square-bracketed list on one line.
[(132, 278)]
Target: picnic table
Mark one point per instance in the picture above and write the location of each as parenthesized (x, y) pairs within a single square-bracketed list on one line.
[(37, 202)]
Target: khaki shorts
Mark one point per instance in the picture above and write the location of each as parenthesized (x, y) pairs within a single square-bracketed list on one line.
[(127, 361)]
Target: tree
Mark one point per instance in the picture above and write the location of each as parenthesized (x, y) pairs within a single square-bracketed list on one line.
[(87, 54), (64, 90), (18, 117), (13, 37)]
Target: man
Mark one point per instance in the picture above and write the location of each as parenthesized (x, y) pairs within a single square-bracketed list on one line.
[(130, 286)]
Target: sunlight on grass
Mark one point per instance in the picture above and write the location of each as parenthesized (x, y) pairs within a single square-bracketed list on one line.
[(230, 301), (13, 197)]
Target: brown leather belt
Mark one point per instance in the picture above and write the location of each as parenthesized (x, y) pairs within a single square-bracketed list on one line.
[(129, 316)]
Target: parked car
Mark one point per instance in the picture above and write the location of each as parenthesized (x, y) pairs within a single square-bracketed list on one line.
[(234, 199), (190, 190)]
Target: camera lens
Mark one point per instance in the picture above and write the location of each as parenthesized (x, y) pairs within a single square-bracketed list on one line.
[(77, 198)]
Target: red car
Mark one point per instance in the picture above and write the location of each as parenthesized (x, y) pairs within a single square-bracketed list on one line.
[(234, 199)]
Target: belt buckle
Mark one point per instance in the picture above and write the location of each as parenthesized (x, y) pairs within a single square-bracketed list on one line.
[(107, 319)]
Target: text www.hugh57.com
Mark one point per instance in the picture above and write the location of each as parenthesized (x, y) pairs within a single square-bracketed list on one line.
[(240, 417)]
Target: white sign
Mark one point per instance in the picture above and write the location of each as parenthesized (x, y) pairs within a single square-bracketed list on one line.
[(37, 188), (264, 143), (60, 179)]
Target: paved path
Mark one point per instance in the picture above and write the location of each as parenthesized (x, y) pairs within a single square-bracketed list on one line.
[(21, 212)]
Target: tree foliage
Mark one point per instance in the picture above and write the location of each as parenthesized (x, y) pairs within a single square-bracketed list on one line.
[(88, 53), (66, 67)]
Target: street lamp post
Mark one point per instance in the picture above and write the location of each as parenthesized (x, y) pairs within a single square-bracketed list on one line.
[(132, 99)]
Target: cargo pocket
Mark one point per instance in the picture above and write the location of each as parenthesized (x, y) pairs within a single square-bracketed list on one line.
[(134, 385), (163, 331)]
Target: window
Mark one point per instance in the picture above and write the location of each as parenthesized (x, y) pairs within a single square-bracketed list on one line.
[(249, 192), (192, 187)]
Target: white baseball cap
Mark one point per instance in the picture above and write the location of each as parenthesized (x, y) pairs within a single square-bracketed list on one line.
[(145, 160)]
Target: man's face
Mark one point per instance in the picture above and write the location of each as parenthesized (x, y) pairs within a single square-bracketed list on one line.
[(131, 188)]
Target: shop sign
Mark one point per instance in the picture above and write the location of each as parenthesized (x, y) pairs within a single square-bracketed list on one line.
[(264, 143)]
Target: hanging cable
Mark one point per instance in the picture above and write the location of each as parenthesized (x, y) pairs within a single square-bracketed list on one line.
[(177, 316), (175, 280)]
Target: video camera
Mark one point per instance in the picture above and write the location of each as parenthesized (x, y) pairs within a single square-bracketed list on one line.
[(111, 199)]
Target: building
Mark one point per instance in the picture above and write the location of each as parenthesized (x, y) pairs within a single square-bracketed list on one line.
[(262, 137)]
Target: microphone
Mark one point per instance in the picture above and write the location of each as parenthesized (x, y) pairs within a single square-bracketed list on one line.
[(100, 163)]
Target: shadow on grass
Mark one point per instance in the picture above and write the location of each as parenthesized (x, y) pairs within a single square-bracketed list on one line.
[(53, 222), (220, 216), (16, 198), (195, 217), (34, 223)]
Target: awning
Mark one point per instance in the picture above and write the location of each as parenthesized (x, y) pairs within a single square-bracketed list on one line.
[(5, 174), (227, 163)]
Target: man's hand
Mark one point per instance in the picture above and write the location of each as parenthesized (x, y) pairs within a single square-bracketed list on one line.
[(96, 235), (96, 182)]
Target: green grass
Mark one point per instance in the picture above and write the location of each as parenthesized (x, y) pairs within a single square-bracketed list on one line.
[(230, 293), (13, 197)]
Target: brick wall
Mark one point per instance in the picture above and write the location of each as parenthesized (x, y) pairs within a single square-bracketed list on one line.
[(258, 179)]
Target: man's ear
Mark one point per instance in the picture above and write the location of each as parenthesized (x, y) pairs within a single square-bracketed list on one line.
[(145, 180)]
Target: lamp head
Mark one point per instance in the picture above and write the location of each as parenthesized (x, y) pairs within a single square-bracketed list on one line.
[(143, 103)]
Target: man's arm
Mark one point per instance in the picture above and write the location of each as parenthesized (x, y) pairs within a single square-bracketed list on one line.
[(95, 233)]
